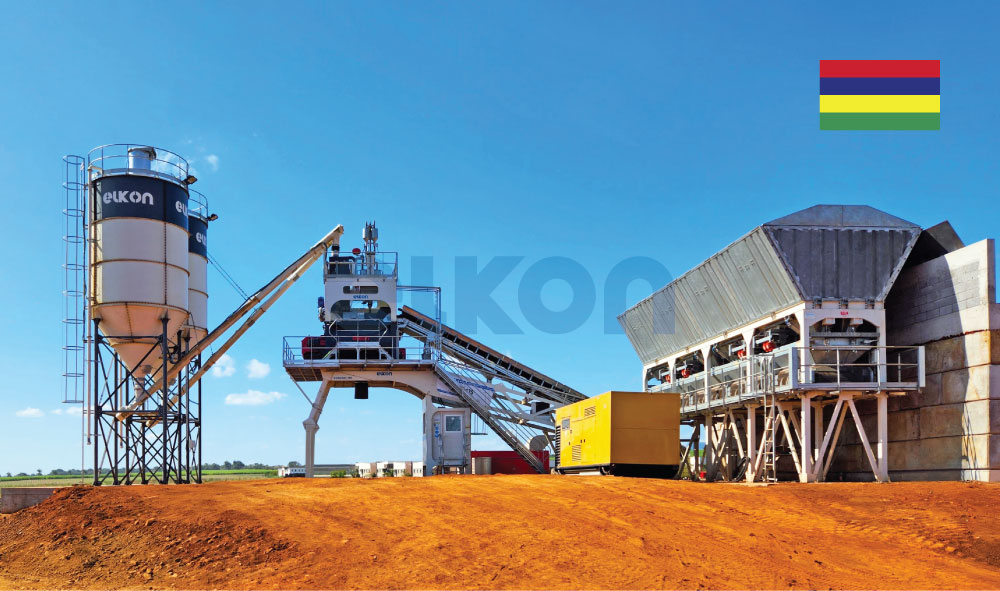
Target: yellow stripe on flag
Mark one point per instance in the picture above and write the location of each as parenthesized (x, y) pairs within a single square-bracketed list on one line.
[(879, 103)]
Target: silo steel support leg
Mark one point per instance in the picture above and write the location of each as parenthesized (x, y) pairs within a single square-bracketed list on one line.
[(95, 402), (163, 408)]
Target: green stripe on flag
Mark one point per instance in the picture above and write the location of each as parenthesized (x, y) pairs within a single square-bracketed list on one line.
[(879, 121)]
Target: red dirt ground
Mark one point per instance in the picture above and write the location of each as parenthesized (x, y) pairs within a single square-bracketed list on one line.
[(506, 532)]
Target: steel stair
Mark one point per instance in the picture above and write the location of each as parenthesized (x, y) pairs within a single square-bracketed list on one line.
[(509, 416)]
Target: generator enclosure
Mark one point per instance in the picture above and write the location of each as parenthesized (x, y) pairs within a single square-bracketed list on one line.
[(621, 433)]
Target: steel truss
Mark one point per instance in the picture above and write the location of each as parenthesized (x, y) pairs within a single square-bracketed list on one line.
[(748, 442), (519, 409), (515, 401), (152, 441)]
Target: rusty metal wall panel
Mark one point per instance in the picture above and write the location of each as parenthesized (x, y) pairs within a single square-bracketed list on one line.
[(742, 283)]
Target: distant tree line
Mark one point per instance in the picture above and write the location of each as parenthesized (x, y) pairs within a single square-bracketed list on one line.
[(237, 465), (228, 465)]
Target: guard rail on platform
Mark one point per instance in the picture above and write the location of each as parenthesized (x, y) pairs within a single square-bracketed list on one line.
[(793, 369)]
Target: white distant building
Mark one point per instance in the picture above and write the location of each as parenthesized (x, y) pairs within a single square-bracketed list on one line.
[(290, 471), (366, 469), (395, 469)]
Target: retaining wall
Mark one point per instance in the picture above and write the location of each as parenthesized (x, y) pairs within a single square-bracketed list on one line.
[(16, 498), (950, 430)]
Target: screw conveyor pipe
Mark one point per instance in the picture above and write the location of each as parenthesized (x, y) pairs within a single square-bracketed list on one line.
[(281, 282)]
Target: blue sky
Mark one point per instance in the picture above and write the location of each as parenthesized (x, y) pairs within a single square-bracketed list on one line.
[(587, 130)]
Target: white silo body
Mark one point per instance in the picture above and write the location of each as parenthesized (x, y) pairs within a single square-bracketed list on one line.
[(139, 254), (198, 278)]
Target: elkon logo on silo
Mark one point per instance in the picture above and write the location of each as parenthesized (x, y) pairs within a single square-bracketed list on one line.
[(128, 197)]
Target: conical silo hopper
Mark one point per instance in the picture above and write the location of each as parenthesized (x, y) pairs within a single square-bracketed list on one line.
[(139, 250)]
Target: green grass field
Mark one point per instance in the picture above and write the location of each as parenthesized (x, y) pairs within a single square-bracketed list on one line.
[(207, 476)]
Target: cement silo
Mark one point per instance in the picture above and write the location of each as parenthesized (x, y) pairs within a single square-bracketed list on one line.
[(139, 250), (197, 268)]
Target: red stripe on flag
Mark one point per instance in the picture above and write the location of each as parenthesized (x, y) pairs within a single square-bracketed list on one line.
[(879, 68)]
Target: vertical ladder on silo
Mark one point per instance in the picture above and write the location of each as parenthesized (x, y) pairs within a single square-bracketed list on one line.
[(74, 279)]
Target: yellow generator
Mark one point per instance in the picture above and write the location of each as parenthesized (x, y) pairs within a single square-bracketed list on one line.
[(621, 433)]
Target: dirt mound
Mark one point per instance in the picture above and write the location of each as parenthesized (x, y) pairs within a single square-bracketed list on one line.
[(507, 532), (86, 537)]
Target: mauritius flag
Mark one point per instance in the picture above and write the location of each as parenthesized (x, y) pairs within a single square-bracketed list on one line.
[(880, 94)]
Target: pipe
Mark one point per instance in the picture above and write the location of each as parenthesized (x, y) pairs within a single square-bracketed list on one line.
[(241, 331), (307, 259)]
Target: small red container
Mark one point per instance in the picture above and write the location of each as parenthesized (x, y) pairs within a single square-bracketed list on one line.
[(510, 462)]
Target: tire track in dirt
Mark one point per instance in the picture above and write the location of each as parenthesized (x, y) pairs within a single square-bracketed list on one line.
[(507, 532)]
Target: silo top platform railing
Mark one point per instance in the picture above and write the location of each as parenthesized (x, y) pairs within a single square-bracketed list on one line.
[(118, 159), (379, 264), (197, 204), (823, 369)]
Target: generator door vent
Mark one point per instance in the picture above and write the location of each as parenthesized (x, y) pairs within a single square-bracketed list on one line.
[(577, 454), (589, 411)]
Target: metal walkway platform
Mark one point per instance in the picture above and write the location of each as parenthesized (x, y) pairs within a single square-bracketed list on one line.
[(514, 400)]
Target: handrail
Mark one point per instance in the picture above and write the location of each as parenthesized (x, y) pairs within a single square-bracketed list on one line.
[(382, 263), (167, 164), (795, 368), (355, 346)]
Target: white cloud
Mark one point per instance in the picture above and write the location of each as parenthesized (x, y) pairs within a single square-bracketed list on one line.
[(257, 369), (224, 367), (254, 398), (213, 161), (75, 410), (55, 411), (30, 413)]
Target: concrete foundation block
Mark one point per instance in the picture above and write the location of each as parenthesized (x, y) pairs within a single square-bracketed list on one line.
[(966, 418), (903, 425), (920, 475), (930, 394), (16, 498), (924, 475), (908, 401), (963, 351), (969, 452), (974, 383), (851, 458), (905, 455)]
